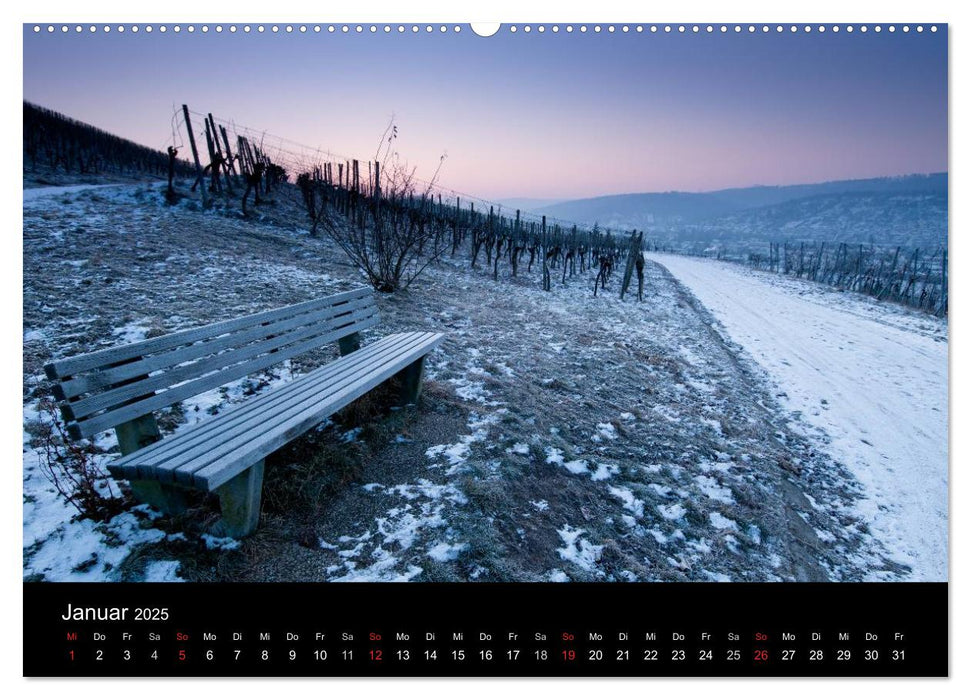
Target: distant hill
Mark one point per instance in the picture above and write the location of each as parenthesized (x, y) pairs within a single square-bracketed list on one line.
[(760, 196), (912, 219), (527, 203), (904, 210), (626, 211), (647, 209)]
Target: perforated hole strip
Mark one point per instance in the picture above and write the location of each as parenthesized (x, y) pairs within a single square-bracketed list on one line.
[(456, 28)]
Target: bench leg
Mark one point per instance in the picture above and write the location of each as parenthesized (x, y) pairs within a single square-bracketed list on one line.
[(168, 499), (133, 436), (411, 379), (349, 344), (137, 433), (239, 500)]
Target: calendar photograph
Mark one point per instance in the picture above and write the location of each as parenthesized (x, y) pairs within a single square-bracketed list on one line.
[(531, 303)]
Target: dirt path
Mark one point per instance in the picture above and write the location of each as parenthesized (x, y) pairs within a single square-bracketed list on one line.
[(34, 193)]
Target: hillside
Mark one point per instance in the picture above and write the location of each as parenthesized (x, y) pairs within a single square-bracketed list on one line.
[(751, 197), (561, 436)]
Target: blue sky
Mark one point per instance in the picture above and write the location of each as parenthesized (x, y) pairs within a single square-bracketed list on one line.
[(538, 115)]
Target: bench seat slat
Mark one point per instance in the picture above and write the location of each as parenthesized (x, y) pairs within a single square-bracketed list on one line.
[(263, 433), (359, 370), (166, 464), (106, 376), (210, 432), (355, 321), (70, 366), (247, 452)]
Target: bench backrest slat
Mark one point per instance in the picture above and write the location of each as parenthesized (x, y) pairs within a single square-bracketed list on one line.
[(110, 356), (106, 388), (258, 338)]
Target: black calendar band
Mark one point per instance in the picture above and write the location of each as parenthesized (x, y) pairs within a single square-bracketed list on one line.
[(696, 629)]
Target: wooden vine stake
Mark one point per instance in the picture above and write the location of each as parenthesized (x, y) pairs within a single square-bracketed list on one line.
[(543, 251), (632, 254), (214, 167), (200, 179)]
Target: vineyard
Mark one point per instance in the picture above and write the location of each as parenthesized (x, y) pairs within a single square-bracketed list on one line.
[(393, 225), (545, 414), (54, 143), (912, 278)]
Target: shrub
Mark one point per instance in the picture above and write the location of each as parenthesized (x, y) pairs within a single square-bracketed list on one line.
[(70, 466), (389, 227)]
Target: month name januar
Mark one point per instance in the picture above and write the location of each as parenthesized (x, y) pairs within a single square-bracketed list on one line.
[(82, 614)]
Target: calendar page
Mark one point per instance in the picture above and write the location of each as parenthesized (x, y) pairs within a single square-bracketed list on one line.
[(523, 349)]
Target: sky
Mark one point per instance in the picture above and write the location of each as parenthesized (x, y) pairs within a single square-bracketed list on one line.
[(533, 115)]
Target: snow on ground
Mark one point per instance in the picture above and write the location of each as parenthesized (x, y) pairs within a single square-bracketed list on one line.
[(59, 547), (870, 378)]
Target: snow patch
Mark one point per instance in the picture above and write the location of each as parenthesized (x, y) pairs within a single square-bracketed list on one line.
[(721, 522), (520, 448), (444, 551), (220, 543), (713, 490), (162, 572), (605, 431), (675, 511), (626, 496), (578, 549)]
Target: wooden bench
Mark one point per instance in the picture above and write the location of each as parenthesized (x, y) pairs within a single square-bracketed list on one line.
[(120, 388)]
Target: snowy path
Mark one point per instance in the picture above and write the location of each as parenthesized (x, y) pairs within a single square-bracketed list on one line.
[(37, 192), (878, 391)]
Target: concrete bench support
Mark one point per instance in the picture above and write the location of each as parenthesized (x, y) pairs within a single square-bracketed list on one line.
[(239, 501), (349, 344), (133, 436), (411, 378)]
